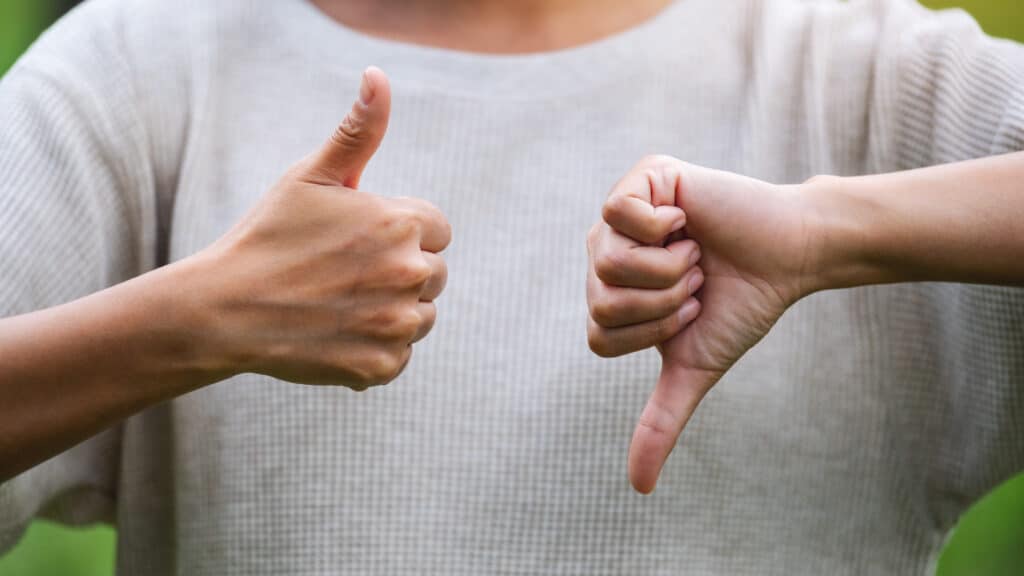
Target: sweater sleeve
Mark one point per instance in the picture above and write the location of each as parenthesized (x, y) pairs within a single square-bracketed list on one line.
[(947, 92), (901, 87), (890, 85), (953, 92), (76, 211)]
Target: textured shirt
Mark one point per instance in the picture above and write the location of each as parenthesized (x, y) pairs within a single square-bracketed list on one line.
[(135, 133)]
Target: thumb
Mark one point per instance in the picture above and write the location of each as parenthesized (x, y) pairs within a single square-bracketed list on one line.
[(343, 158), (676, 396)]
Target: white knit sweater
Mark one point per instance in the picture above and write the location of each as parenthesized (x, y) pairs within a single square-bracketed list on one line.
[(848, 442)]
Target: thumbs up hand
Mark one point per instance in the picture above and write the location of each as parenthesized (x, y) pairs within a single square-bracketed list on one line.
[(322, 283), (699, 263)]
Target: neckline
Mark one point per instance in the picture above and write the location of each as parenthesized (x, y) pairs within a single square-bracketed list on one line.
[(471, 73)]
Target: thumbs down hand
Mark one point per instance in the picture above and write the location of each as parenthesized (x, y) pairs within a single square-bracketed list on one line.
[(699, 263)]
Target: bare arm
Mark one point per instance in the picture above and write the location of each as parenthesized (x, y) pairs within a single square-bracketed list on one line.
[(960, 222), (71, 371)]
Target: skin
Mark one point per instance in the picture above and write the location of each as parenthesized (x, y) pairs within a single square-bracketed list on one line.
[(758, 248), (492, 26), (321, 283)]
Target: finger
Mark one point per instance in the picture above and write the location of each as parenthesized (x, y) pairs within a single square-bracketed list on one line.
[(435, 231), (642, 204), (654, 179), (428, 314), (343, 158), (621, 262), (404, 356), (389, 368), (642, 221), (438, 277), (615, 307), (611, 342), (407, 357), (677, 394)]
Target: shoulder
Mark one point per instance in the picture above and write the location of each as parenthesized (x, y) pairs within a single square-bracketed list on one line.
[(141, 30), (132, 71), (146, 39), (890, 84)]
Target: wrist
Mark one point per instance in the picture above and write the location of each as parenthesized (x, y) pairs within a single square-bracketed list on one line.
[(190, 320), (837, 221)]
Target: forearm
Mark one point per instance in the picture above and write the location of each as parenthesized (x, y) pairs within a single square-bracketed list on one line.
[(69, 372), (960, 222)]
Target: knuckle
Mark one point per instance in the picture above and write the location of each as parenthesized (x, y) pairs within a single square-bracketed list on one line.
[(677, 295), (666, 328), (446, 231), (431, 209), (425, 330), (407, 324), (657, 160), (604, 311), (350, 133), (419, 206), (609, 265), (406, 207), (658, 419), (663, 278), (599, 343), (412, 203), (681, 257), (442, 271), (650, 232), (649, 160), (593, 234), (400, 221), (379, 368), (297, 171), (615, 208), (398, 324), (437, 282), (430, 215), (414, 272), (427, 320), (363, 377)]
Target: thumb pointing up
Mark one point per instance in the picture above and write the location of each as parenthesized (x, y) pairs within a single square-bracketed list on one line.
[(343, 158)]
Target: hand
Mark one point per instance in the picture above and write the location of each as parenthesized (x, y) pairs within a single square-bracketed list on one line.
[(322, 283), (755, 252)]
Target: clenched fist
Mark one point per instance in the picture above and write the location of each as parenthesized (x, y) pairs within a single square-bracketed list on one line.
[(700, 263), (323, 283)]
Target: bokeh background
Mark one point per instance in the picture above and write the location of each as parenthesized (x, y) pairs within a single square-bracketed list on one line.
[(989, 539)]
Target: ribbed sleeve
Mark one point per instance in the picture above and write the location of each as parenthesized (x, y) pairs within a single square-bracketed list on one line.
[(75, 217), (951, 94), (902, 88), (955, 92)]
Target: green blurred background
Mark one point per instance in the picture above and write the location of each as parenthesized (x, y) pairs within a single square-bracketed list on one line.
[(988, 541)]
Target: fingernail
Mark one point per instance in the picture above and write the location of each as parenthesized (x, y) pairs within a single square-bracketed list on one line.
[(694, 257), (696, 281), (679, 224), (365, 90)]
